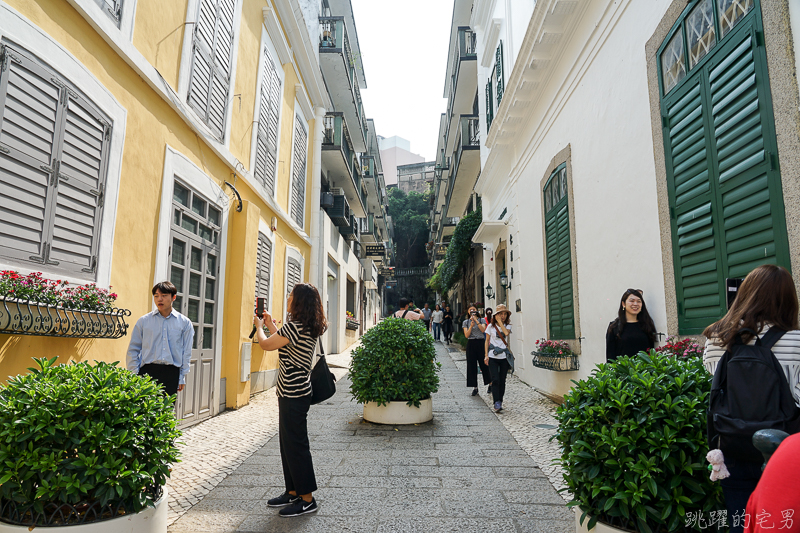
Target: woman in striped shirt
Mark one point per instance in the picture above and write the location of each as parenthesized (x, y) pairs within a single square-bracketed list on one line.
[(767, 298), (295, 343)]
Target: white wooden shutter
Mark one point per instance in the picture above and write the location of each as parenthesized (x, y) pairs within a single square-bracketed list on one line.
[(112, 8), (54, 151), (293, 273), (263, 261), (268, 116), (212, 49), (299, 171)]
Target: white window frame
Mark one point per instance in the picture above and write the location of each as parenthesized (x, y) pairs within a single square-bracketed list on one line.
[(298, 112), (266, 231), (294, 253), (269, 48), (177, 164), (21, 32), (185, 72), (100, 20)]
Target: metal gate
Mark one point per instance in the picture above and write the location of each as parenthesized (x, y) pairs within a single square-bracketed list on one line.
[(194, 270)]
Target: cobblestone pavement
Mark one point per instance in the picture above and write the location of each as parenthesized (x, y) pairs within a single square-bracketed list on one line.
[(461, 472), (213, 449), (523, 410)]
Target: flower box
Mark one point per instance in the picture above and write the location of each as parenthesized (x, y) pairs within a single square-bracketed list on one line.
[(29, 317), (554, 355), (351, 324)]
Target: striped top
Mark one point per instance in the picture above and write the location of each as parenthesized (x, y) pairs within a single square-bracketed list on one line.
[(294, 375), (786, 350)]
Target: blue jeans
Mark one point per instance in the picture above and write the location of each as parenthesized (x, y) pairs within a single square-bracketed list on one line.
[(437, 330), (737, 489)]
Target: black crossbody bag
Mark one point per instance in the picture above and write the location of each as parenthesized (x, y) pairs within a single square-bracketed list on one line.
[(323, 382)]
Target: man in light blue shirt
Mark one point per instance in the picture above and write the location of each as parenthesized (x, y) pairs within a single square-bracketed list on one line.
[(161, 342)]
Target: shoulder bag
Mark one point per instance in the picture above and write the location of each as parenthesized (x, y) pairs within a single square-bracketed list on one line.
[(323, 382), (506, 350)]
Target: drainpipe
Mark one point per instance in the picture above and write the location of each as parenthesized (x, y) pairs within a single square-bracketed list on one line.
[(317, 249)]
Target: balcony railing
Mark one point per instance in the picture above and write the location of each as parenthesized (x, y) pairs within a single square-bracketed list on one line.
[(451, 221), (336, 134), (333, 36), (28, 317), (467, 45)]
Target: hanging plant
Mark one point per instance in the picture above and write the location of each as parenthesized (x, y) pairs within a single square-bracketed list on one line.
[(449, 271)]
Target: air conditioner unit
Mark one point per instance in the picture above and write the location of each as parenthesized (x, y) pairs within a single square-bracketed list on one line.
[(326, 200), (337, 191), (340, 210)]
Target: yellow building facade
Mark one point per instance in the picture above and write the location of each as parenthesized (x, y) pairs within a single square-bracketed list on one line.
[(193, 126)]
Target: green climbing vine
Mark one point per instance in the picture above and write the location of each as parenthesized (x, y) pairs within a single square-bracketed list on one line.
[(449, 271)]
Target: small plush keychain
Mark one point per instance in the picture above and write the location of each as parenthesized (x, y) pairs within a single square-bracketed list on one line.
[(717, 466)]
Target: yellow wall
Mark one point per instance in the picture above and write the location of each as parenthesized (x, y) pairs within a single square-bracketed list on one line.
[(151, 126)]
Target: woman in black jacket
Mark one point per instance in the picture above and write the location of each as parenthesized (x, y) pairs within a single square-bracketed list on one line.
[(633, 331), (447, 324)]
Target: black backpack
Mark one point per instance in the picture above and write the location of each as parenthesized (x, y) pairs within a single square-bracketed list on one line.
[(749, 392)]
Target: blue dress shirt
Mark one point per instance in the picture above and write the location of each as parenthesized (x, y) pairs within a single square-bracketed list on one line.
[(160, 340)]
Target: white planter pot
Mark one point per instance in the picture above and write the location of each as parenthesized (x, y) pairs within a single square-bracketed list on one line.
[(150, 520), (399, 412), (599, 527)]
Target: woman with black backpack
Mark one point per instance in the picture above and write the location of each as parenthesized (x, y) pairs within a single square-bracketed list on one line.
[(766, 300)]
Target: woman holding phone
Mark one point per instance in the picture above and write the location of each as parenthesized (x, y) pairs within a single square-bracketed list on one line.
[(295, 342), (473, 328)]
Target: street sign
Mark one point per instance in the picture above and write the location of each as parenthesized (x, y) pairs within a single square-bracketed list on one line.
[(375, 250)]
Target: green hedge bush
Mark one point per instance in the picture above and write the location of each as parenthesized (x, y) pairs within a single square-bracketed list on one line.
[(89, 436), (395, 362), (633, 443)]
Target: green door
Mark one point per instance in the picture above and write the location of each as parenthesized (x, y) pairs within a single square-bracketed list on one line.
[(561, 310), (726, 203)]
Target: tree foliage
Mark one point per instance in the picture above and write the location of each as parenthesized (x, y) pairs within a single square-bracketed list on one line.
[(449, 271), (409, 214)]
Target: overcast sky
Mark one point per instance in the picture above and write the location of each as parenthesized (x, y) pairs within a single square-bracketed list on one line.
[(404, 51)]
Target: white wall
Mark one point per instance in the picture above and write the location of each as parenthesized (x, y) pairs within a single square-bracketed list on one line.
[(338, 250), (617, 235)]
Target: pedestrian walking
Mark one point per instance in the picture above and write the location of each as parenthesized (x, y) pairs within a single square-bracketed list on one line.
[(161, 342), (474, 332), (447, 324), (296, 342), (766, 299), (426, 316), (633, 330), (495, 350), (436, 322), (488, 318), (406, 312)]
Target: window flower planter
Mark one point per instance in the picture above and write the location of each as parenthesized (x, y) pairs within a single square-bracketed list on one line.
[(351, 324), (557, 363), (30, 317)]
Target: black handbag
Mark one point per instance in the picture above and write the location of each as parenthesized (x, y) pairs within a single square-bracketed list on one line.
[(323, 382)]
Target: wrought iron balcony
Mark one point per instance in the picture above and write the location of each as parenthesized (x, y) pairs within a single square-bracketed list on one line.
[(342, 162), (466, 166), (463, 82)]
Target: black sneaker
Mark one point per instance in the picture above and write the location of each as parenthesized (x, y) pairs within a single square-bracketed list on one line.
[(299, 507), (475, 391), (283, 500), (489, 390)]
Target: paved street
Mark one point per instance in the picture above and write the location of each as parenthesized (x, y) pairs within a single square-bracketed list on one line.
[(464, 471)]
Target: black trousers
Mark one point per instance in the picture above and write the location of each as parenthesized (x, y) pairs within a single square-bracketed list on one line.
[(737, 490), (499, 370), (298, 469), (167, 375), (475, 354)]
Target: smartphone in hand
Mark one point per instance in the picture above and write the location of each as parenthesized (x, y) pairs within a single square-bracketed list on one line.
[(261, 306)]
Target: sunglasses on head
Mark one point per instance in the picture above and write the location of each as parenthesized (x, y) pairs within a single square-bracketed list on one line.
[(640, 291)]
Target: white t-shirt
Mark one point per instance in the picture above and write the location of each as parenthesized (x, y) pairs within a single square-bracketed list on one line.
[(495, 340), (437, 316), (786, 351)]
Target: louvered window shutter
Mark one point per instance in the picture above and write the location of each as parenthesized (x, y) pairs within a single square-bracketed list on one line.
[(212, 48), (559, 257), (299, 171), (54, 148), (499, 72), (489, 104), (263, 261), (726, 202), (112, 8), (293, 273), (268, 116)]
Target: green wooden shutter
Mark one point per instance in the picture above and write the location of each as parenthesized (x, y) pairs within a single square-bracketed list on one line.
[(499, 72), (725, 196), (489, 104), (558, 252)]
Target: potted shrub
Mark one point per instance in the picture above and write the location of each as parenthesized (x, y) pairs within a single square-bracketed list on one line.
[(393, 372), (554, 355), (633, 445), (85, 448)]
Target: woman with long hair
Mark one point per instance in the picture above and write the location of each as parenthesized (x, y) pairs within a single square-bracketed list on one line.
[(447, 324), (488, 318), (295, 342), (633, 330), (766, 299), (495, 350), (436, 322), (473, 328)]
